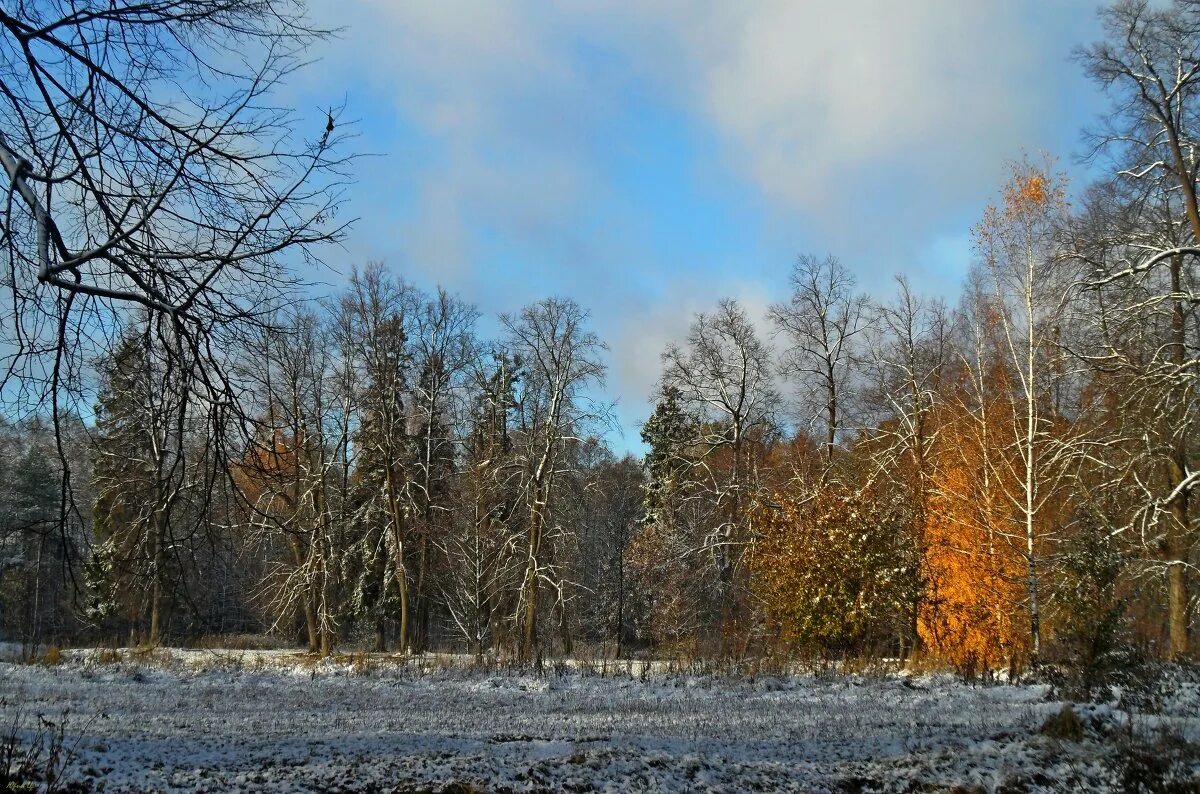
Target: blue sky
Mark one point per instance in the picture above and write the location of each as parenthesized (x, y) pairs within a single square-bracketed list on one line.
[(650, 158)]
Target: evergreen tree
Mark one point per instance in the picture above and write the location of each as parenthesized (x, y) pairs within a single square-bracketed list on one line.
[(481, 568), (670, 592), (433, 474), (382, 488), (667, 433), (139, 480), (33, 594)]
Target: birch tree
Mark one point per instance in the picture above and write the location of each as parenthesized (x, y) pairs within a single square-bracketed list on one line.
[(1027, 283)]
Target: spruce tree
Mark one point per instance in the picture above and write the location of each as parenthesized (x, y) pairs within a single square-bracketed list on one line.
[(137, 480), (434, 470), (667, 432), (382, 489), (35, 547)]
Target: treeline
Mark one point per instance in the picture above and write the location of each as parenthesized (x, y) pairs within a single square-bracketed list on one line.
[(996, 483), (993, 485), (1007, 482), (403, 484)]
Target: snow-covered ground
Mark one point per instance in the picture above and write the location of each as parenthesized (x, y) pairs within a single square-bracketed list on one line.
[(210, 721)]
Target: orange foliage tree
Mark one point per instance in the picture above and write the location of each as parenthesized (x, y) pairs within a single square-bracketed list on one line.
[(974, 613)]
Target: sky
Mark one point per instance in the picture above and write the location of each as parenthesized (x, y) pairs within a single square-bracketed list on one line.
[(649, 158)]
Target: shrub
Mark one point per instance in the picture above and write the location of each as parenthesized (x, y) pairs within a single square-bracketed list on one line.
[(1064, 726), (36, 763), (833, 574)]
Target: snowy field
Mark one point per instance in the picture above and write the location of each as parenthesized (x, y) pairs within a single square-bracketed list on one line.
[(208, 721)]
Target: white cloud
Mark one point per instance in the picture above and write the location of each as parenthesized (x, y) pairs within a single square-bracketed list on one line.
[(812, 98), (811, 93), (823, 105)]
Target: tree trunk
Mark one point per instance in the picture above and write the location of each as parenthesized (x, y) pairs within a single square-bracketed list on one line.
[(404, 628), (155, 613), (34, 621), (731, 534), (1184, 176), (311, 625), (318, 641), (398, 553), (831, 431), (328, 637), (310, 614), (156, 589), (1177, 585), (529, 629), (1178, 525), (1031, 472), (421, 625), (564, 624), (537, 519), (620, 603)]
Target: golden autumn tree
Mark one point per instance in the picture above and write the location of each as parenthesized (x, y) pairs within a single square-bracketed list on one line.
[(990, 518), (973, 614), (1023, 283)]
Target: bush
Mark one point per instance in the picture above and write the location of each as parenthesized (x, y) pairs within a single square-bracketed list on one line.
[(36, 763), (1164, 766), (242, 642), (1064, 726), (834, 575)]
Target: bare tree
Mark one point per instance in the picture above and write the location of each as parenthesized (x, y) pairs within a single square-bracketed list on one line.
[(618, 507), (562, 362), (822, 321), (724, 375), (443, 347), (145, 161), (910, 349), (147, 167), (293, 473), (1149, 62)]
